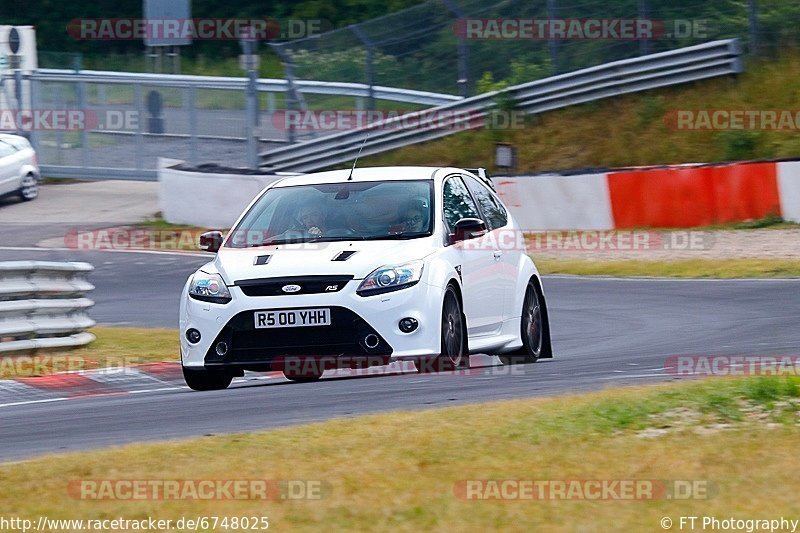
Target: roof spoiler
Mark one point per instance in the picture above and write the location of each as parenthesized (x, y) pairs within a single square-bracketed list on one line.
[(481, 173)]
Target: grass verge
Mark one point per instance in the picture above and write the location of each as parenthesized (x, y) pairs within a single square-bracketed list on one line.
[(629, 130), (688, 268), (398, 471), (113, 347)]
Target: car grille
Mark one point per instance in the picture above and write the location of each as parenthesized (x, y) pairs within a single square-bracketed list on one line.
[(344, 337), (307, 284)]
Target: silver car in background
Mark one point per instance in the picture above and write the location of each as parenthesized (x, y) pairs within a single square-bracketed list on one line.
[(19, 172)]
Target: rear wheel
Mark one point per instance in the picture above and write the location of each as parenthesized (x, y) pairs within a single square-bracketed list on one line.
[(202, 379), (533, 329), (453, 353), (29, 188)]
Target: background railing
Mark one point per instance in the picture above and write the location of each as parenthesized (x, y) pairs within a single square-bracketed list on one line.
[(692, 63), (43, 305)]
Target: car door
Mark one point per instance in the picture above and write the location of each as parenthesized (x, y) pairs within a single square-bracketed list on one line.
[(483, 305), (9, 181), (505, 243)]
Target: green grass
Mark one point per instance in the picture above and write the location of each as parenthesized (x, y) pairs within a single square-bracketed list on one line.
[(397, 471), (114, 347), (630, 129), (689, 268)]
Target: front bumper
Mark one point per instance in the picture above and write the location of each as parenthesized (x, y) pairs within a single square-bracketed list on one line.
[(353, 318)]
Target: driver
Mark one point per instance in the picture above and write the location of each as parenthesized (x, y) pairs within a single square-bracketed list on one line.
[(312, 218)]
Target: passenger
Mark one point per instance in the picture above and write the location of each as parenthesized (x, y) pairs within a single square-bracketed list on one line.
[(414, 218)]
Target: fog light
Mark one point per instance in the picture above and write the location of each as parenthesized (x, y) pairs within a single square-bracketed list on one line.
[(408, 324), (193, 336)]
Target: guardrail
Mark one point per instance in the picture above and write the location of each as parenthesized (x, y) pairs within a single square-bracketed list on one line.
[(233, 83), (43, 305), (683, 65)]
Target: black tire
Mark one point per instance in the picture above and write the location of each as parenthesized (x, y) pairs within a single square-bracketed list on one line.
[(29, 188), (203, 379), (534, 329), (454, 353)]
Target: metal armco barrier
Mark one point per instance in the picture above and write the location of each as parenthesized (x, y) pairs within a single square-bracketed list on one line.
[(43, 305), (718, 58)]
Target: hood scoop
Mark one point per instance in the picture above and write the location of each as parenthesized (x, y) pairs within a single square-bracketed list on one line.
[(261, 260), (344, 256)]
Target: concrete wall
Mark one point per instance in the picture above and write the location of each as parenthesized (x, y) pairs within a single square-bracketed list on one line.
[(207, 200), (675, 196)]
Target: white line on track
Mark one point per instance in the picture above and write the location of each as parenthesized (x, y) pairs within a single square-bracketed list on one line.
[(156, 252)]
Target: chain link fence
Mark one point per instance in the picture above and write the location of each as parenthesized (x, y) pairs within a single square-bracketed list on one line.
[(462, 46)]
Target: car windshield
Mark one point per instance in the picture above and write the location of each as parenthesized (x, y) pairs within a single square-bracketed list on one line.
[(337, 212)]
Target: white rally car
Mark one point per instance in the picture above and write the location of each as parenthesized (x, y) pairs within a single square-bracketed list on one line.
[(363, 267)]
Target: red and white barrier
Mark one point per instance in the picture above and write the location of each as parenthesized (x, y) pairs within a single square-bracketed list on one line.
[(680, 196)]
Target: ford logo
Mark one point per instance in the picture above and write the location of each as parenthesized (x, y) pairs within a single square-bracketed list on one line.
[(290, 288)]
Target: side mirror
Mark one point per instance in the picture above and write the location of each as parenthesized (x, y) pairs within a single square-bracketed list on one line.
[(211, 241), (468, 228)]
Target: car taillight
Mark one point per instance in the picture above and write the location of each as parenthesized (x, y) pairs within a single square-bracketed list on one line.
[(35, 162)]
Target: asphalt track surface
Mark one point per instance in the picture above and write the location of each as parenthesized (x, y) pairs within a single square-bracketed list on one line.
[(606, 332)]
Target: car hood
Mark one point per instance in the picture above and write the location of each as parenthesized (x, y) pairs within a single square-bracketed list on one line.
[(316, 259)]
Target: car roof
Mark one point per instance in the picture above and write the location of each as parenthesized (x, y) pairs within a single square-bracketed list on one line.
[(371, 174)]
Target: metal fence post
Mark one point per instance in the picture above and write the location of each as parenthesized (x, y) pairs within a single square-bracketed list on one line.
[(82, 105), (369, 67), (644, 42), (192, 103), (752, 14), (34, 134), (137, 96), (463, 53), (552, 44)]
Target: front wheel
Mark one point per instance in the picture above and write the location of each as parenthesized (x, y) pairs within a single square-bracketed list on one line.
[(203, 379), (534, 330), (453, 350), (29, 188)]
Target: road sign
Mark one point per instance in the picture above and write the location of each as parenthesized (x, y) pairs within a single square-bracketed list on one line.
[(13, 40)]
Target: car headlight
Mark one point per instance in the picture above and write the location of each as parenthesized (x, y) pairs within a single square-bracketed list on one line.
[(390, 278), (209, 288)]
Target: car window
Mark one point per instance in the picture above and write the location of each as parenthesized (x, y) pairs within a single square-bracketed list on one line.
[(20, 143), (374, 210), (457, 203), (492, 209), (6, 149)]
